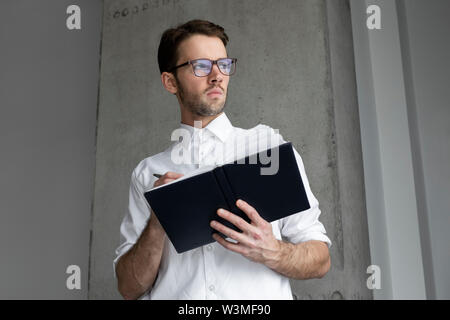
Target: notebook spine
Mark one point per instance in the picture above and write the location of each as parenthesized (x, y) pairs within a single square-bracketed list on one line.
[(226, 189)]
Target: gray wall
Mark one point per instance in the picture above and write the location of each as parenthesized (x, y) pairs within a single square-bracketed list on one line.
[(426, 53), (403, 76), (296, 66), (48, 102)]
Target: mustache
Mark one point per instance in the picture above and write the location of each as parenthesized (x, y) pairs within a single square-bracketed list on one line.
[(215, 87)]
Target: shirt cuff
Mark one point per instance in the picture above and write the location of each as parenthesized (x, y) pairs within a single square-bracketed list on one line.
[(120, 251), (312, 236)]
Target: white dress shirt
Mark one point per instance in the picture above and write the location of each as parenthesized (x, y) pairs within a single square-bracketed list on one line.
[(211, 271)]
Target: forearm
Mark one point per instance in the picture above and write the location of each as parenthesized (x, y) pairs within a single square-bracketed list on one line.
[(137, 269), (304, 260)]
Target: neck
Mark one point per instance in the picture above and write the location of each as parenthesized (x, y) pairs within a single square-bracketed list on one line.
[(189, 118)]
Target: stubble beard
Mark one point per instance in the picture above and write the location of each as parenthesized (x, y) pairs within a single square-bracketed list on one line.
[(198, 107)]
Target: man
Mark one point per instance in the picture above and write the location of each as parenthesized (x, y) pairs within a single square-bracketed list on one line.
[(254, 264)]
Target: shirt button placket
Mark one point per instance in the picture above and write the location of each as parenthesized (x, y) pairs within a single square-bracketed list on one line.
[(209, 272)]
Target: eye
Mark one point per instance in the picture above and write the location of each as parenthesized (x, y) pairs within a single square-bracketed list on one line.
[(224, 64), (201, 66)]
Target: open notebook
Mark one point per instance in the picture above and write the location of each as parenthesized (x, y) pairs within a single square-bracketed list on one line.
[(186, 206)]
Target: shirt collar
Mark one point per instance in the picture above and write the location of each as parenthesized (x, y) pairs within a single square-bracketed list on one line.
[(221, 127)]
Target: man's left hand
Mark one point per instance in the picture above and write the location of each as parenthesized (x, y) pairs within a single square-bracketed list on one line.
[(256, 242)]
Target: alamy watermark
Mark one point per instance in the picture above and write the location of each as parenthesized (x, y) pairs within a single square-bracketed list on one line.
[(73, 22), (374, 281), (256, 147), (74, 280), (374, 20)]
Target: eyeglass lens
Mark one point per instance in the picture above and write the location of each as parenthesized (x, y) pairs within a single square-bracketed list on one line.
[(202, 67)]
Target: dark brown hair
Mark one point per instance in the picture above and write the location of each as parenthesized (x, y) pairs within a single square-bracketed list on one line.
[(171, 39)]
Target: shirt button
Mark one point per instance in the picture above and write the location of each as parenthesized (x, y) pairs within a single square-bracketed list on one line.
[(209, 248), (211, 288)]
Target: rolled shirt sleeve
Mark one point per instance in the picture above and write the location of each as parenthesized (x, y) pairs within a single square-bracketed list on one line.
[(135, 219)]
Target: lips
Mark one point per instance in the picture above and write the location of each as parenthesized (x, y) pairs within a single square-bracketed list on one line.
[(214, 92)]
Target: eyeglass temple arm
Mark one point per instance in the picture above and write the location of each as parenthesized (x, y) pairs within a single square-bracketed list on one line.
[(181, 65)]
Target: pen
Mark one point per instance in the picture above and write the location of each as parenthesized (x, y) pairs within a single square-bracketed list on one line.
[(157, 175)]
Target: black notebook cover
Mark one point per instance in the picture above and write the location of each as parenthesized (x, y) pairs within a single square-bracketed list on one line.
[(186, 208)]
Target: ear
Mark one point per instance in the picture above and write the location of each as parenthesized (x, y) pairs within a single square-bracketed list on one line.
[(169, 83)]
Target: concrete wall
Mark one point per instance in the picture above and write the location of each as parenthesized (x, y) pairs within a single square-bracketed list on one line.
[(48, 102), (295, 73)]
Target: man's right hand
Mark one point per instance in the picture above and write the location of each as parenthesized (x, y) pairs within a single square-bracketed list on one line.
[(167, 177)]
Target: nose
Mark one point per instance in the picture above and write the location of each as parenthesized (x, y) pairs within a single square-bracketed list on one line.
[(215, 76)]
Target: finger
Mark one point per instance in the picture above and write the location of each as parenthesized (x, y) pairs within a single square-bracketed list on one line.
[(172, 175), (161, 181), (250, 212), (229, 245), (230, 233), (237, 221)]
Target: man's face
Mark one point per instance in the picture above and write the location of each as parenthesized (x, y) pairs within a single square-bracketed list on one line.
[(194, 92)]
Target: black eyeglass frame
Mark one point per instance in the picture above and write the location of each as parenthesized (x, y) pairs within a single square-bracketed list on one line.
[(213, 62)]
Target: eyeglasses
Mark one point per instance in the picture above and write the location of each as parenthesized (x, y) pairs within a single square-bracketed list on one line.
[(203, 67)]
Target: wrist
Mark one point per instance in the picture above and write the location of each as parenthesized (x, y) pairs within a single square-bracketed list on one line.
[(281, 254), (277, 253)]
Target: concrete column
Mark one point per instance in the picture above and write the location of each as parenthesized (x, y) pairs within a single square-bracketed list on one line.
[(388, 164)]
